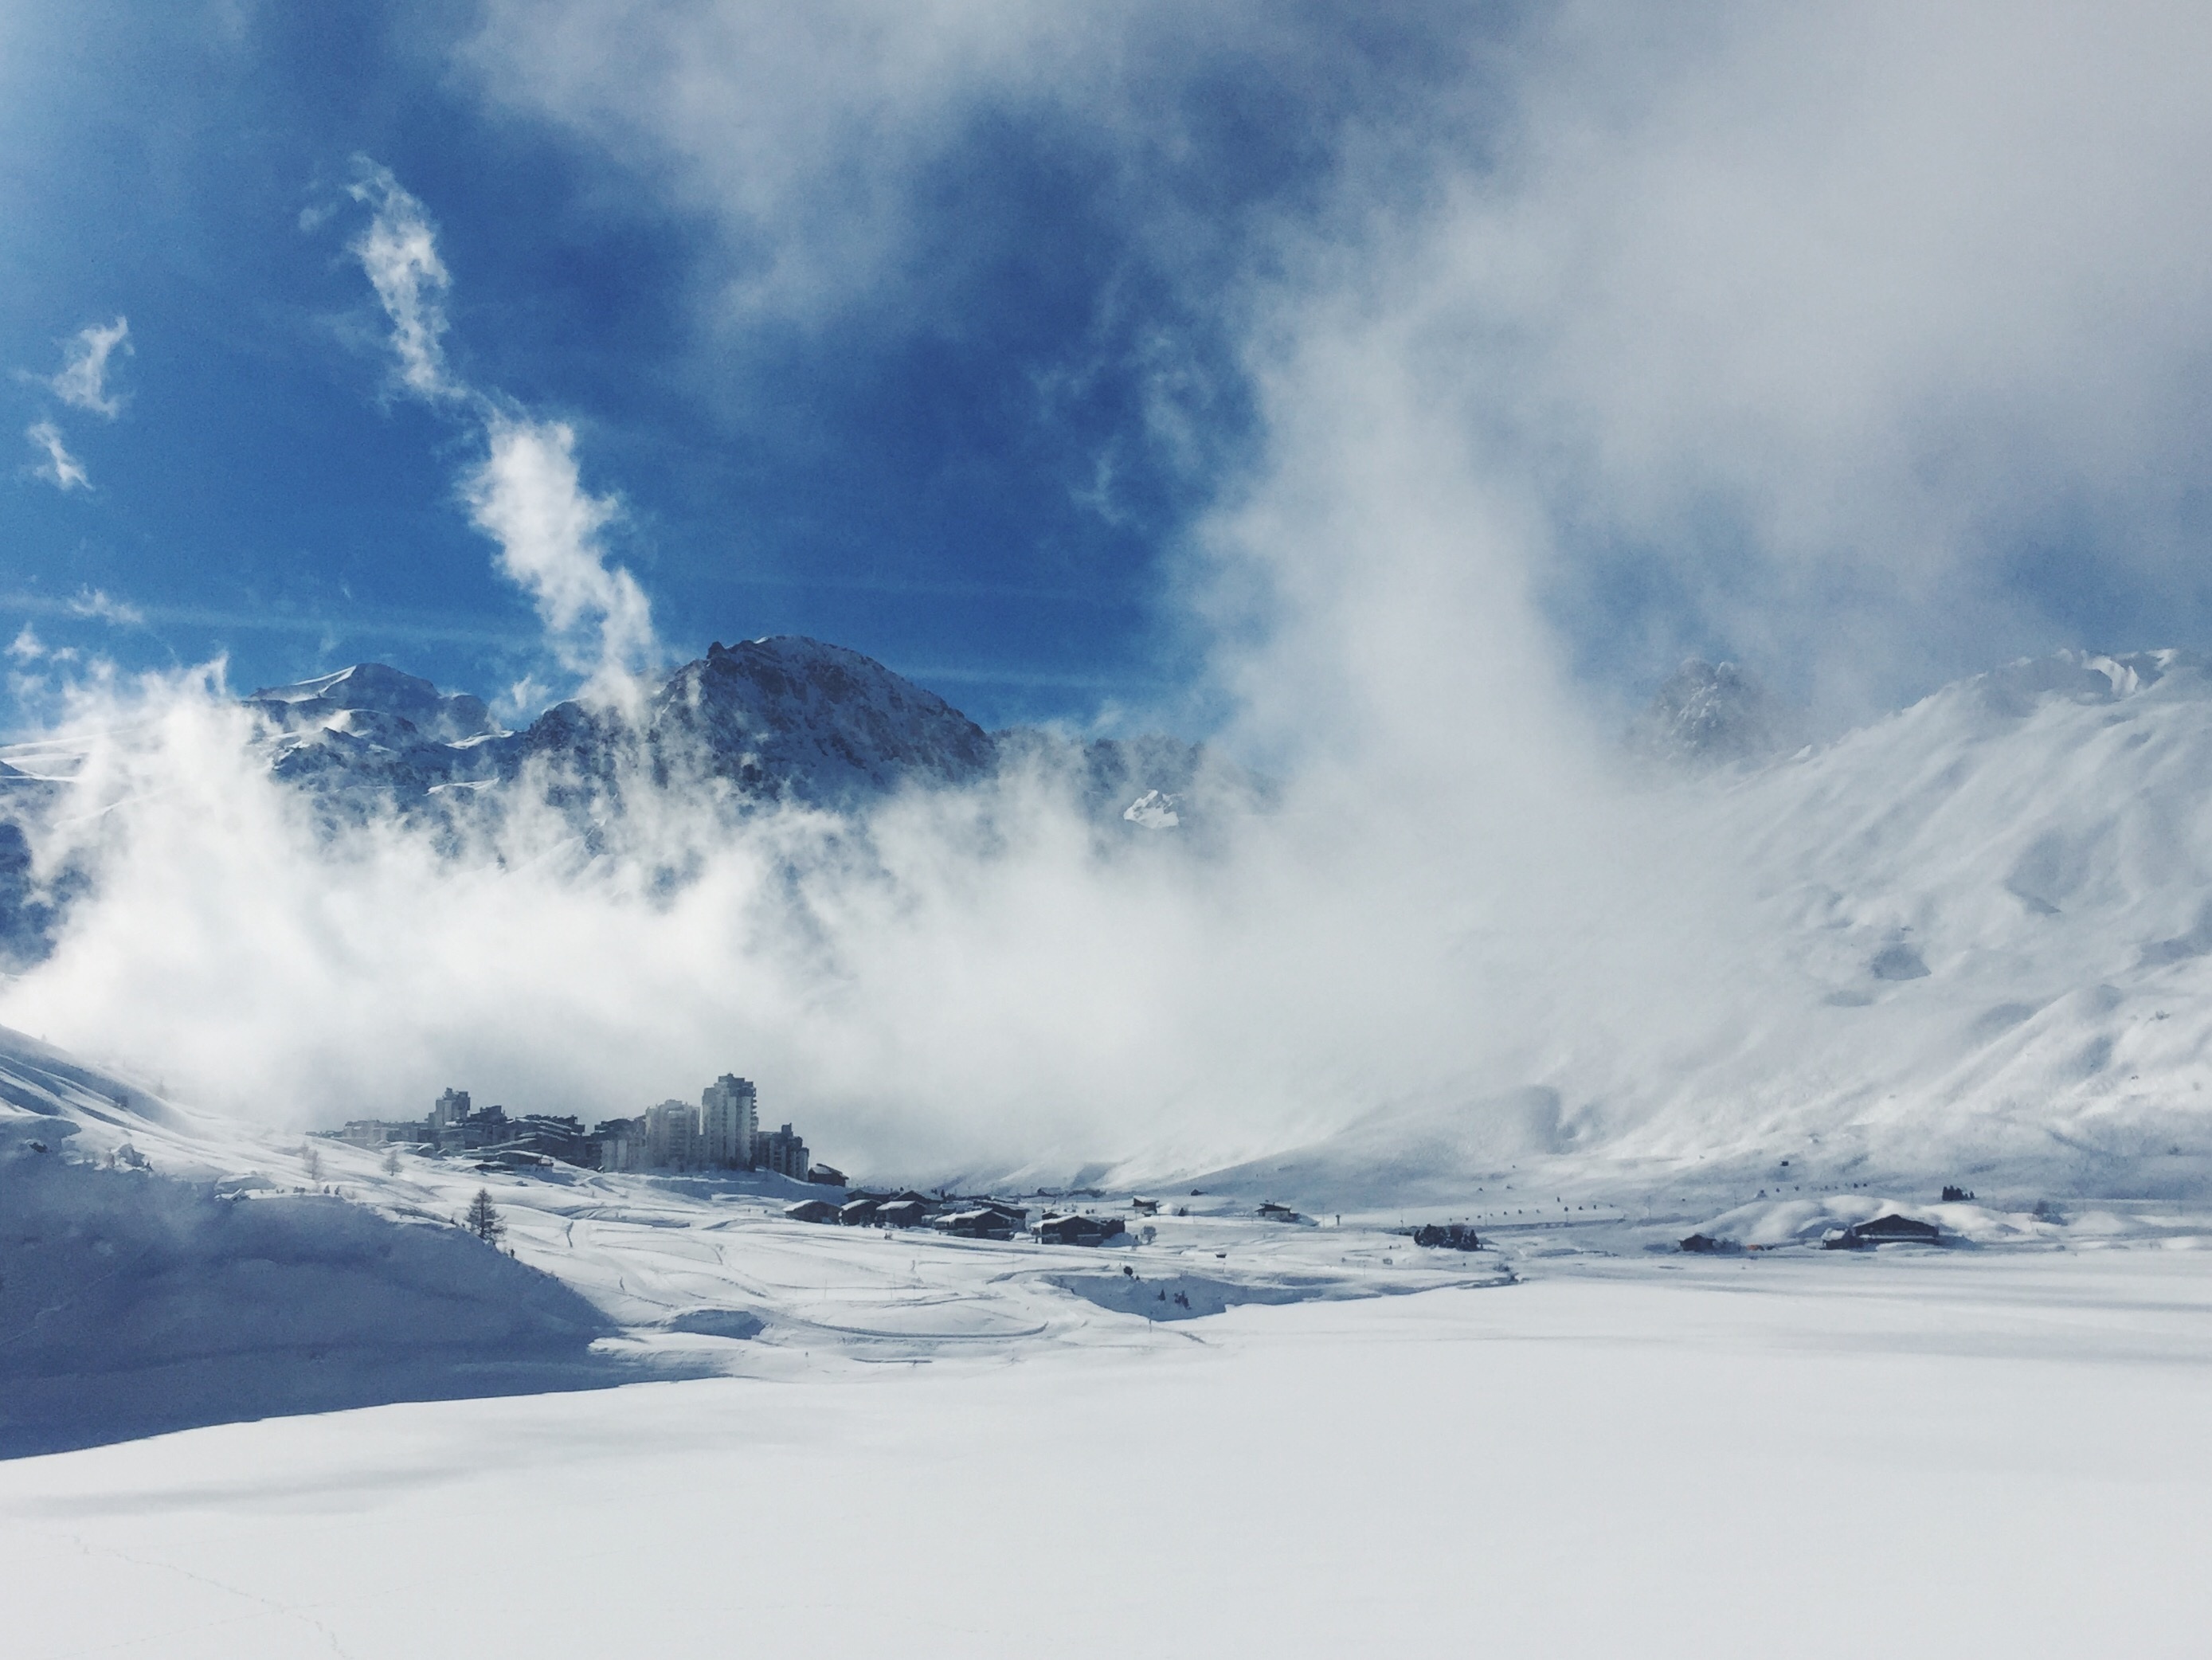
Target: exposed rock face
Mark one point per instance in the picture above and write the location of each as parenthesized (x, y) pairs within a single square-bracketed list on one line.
[(784, 719), (1712, 714), (814, 723)]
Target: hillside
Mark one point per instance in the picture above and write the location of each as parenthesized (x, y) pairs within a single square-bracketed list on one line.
[(1980, 946)]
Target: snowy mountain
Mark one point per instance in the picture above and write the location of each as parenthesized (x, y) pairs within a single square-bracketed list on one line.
[(371, 726), (824, 725), (782, 718), (1974, 938)]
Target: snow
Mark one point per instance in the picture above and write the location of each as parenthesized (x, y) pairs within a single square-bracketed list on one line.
[(674, 1420), (1826, 1456), (1972, 941), (254, 1403)]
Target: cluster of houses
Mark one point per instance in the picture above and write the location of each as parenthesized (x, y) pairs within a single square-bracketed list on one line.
[(970, 1217), (1888, 1230), (723, 1132)]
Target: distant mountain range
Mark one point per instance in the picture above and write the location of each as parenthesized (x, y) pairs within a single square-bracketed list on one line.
[(782, 720)]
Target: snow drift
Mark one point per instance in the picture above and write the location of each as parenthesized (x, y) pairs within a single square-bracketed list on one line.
[(140, 1293)]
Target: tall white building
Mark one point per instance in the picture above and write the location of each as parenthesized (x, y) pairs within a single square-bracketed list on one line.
[(729, 1120), (672, 1136)]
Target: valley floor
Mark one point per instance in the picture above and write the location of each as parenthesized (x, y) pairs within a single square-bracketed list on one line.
[(1811, 1454)]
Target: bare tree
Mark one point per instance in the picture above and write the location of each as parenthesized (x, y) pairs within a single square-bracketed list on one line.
[(391, 1161), (311, 1160), (482, 1220)]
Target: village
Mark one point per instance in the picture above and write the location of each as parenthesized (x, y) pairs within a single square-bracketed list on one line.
[(723, 1132), (722, 1135)]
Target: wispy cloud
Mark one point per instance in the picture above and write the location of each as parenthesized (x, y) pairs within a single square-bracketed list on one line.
[(56, 465), (529, 497), (527, 494), (82, 382), (399, 253), (97, 602), (372, 627)]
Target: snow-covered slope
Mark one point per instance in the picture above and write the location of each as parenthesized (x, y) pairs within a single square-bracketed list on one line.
[(165, 1268), (1972, 938), (154, 1280), (370, 733)]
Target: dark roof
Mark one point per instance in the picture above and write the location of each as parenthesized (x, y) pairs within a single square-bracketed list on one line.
[(1895, 1227)]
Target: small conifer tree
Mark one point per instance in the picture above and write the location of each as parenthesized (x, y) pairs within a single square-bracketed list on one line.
[(311, 1161), (482, 1220), (391, 1161)]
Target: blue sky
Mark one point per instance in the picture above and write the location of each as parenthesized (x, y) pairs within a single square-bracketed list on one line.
[(947, 332), (951, 469)]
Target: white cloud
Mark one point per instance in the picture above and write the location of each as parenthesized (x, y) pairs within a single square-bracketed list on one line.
[(57, 465), (82, 382), (399, 253), (528, 496), (1826, 312), (1806, 322), (96, 603), (27, 647)]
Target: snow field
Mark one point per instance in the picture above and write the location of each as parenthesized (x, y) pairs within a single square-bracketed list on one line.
[(1927, 1454)]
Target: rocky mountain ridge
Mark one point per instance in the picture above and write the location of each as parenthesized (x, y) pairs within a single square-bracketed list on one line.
[(782, 720)]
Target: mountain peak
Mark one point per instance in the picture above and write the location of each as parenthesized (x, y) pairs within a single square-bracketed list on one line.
[(827, 723), (1712, 714), (375, 689)]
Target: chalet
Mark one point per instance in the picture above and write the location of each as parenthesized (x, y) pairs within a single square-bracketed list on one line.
[(1704, 1244), (1077, 1229), (903, 1212), (858, 1213), (810, 1210), (983, 1222), (1145, 1206), (1274, 1212), (826, 1175), (1884, 1231)]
